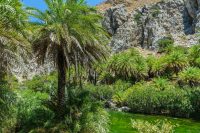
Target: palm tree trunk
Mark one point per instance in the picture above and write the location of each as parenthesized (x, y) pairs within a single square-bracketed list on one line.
[(76, 69), (2, 76), (69, 76), (61, 83), (95, 78), (3, 73)]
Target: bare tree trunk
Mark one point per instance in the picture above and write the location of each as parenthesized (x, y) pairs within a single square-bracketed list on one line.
[(61, 83)]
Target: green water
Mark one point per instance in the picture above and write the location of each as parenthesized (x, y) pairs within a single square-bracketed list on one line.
[(121, 123)]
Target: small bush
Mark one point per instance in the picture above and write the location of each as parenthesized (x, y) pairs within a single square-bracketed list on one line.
[(165, 44), (195, 99), (137, 17), (155, 127)]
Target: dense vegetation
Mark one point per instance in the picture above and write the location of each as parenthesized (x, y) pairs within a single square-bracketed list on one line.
[(86, 78), (166, 83)]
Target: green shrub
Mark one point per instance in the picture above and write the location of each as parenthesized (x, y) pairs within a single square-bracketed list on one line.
[(137, 17), (165, 44), (155, 127), (32, 113), (7, 109), (42, 83), (95, 121), (119, 88), (83, 113), (86, 114), (37, 113), (195, 99), (109, 92), (101, 92), (150, 98), (161, 84)]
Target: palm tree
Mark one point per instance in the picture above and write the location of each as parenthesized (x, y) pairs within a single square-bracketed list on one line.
[(128, 64), (156, 66), (194, 55), (161, 83), (173, 62), (176, 61), (69, 34), (12, 44), (12, 40), (191, 76)]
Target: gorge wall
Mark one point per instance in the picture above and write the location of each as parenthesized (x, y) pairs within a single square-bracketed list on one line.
[(145, 26), (141, 26)]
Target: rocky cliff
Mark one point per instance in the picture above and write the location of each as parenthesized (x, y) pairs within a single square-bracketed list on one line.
[(142, 26), (28, 69), (145, 26)]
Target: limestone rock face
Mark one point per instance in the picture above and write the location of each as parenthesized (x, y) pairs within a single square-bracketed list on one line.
[(27, 70), (114, 18), (179, 19)]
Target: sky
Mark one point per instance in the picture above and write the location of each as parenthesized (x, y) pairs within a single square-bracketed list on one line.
[(40, 3)]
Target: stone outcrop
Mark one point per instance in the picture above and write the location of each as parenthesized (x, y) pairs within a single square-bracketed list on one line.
[(178, 19), (116, 16), (193, 7), (30, 68)]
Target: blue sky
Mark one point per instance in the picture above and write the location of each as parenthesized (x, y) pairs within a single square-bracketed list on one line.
[(40, 3)]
